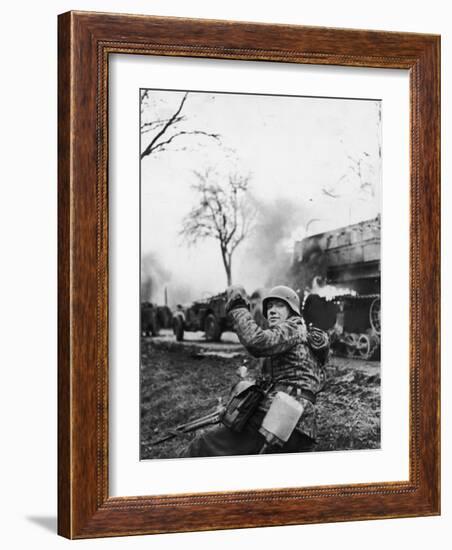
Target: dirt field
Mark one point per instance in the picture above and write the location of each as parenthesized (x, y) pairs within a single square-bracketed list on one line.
[(181, 381)]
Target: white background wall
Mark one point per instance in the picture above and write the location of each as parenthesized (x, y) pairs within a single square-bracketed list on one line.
[(28, 234)]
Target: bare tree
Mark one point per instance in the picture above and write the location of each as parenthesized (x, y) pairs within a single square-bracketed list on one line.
[(363, 171), (359, 178), (161, 131), (224, 212)]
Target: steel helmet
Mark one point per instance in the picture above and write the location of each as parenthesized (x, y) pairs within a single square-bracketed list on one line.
[(287, 295)]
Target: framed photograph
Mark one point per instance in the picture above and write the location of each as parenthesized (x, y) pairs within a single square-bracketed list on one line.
[(248, 275)]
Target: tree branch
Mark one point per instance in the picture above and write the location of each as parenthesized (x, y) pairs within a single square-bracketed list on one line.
[(163, 144), (148, 126), (150, 147), (222, 212)]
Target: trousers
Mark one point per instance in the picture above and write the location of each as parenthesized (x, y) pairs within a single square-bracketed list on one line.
[(222, 441)]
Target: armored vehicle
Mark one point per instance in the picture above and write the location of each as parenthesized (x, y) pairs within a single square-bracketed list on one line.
[(209, 315), (340, 272), (154, 318), (206, 315)]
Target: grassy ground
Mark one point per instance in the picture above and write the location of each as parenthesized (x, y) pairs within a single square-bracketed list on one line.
[(179, 384)]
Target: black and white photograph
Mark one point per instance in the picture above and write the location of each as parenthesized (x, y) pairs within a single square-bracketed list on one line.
[(231, 231), (260, 238)]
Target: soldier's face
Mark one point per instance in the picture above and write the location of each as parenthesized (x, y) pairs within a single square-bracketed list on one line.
[(277, 312)]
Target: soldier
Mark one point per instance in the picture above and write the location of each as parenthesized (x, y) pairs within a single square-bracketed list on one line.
[(292, 359)]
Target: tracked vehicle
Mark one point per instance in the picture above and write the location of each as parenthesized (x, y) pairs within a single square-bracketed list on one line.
[(341, 269)]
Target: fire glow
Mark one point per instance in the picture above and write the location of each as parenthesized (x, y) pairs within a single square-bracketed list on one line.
[(329, 292)]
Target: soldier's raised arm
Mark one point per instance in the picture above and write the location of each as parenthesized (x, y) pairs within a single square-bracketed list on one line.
[(274, 340)]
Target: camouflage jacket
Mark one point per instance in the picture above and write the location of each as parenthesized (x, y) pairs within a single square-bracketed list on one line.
[(288, 361)]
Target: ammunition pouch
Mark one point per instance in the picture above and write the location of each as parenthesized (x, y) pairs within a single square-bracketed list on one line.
[(245, 399)]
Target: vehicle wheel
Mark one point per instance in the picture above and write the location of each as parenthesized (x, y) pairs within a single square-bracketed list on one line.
[(178, 328), (368, 346), (350, 341), (364, 347), (212, 328)]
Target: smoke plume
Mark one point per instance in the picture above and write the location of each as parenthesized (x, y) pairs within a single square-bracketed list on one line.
[(269, 253), (154, 278)]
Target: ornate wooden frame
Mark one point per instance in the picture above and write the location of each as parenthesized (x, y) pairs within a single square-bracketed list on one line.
[(85, 42)]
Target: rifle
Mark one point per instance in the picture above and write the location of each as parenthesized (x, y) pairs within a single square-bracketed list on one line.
[(211, 418)]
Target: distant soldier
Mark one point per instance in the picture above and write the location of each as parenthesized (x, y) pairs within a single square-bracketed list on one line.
[(178, 317), (292, 364), (149, 324), (179, 312)]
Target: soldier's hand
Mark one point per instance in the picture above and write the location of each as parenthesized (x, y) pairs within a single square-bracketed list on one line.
[(236, 297), (235, 290)]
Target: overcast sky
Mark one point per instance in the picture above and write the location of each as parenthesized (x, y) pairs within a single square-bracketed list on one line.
[(302, 156)]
